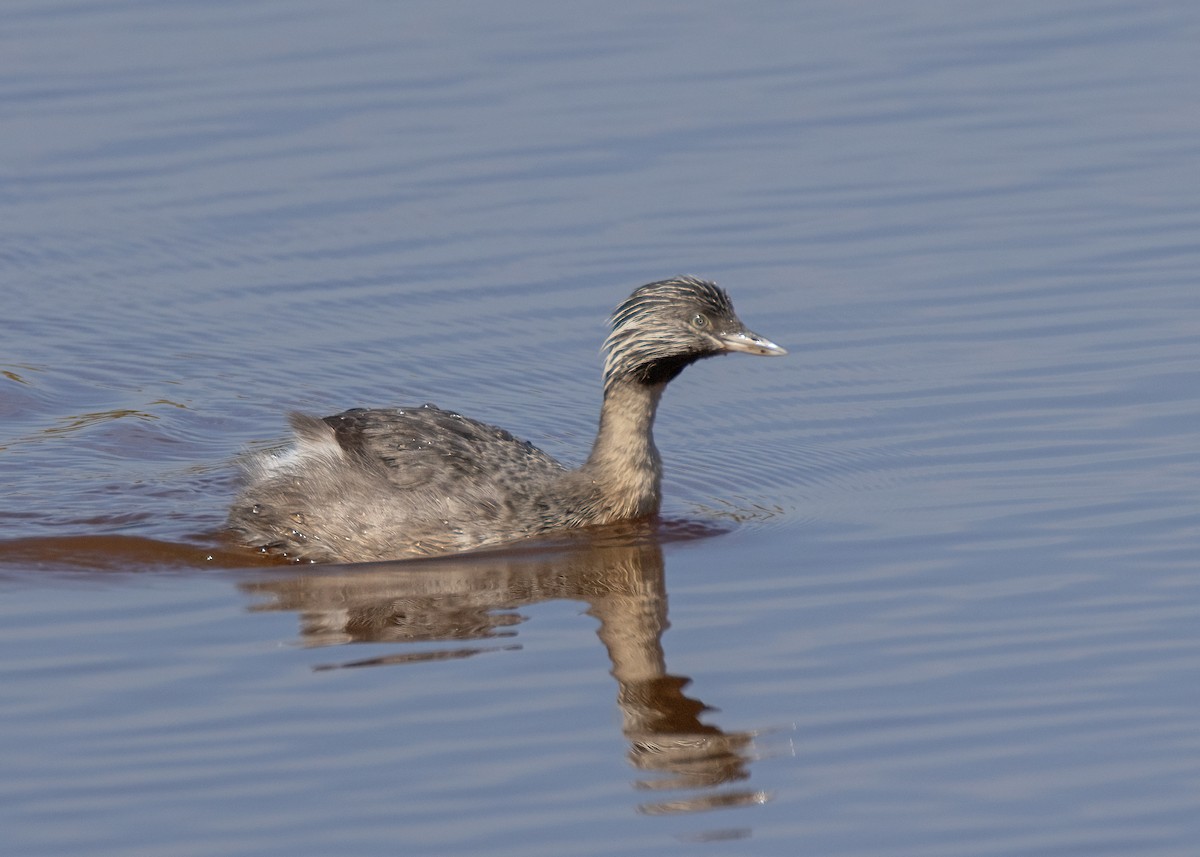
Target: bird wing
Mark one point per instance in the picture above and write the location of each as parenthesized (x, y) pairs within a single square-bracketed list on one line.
[(428, 446)]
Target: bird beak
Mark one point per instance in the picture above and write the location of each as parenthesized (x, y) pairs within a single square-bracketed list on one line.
[(750, 342)]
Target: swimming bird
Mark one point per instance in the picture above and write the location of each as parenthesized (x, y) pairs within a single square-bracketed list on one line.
[(396, 483)]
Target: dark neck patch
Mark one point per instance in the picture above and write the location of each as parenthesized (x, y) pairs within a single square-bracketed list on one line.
[(664, 369)]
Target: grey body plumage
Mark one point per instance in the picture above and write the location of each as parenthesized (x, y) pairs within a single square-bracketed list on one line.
[(397, 483)]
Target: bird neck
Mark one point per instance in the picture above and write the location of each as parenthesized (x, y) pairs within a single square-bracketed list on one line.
[(624, 463)]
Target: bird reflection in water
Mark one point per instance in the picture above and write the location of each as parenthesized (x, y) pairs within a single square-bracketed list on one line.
[(473, 600)]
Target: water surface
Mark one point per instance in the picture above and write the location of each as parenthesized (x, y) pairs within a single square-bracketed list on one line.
[(926, 586)]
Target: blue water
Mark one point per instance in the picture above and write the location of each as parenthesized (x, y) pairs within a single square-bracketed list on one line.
[(927, 586)]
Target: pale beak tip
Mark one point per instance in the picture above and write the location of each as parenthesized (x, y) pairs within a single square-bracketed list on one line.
[(751, 343)]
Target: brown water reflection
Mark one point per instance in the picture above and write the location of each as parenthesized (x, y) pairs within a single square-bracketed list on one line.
[(116, 552), (474, 599)]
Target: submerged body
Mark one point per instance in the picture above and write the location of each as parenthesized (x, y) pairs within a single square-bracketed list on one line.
[(399, 483)]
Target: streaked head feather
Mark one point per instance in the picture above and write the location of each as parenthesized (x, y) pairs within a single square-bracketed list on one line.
[(652, 326)]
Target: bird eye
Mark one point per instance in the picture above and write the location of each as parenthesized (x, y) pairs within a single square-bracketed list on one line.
[(700, 320)]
